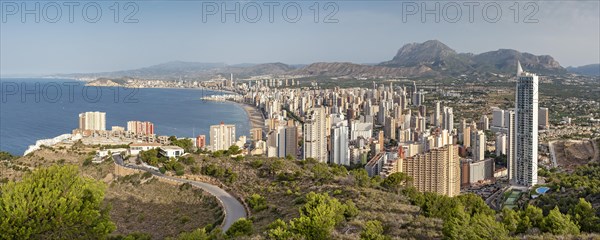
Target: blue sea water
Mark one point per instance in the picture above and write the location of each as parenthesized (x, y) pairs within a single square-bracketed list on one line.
[(33, 109)]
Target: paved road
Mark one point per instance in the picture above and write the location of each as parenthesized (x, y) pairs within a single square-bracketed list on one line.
[(234, 210)]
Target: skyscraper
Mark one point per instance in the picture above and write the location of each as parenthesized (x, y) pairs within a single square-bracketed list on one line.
[(92, 121), (287, 141), (315, 138), (526, 130), (437, 170), (478, 148), (222, 136), (436, 115), (509, 123), (340, 153), (448, 120)]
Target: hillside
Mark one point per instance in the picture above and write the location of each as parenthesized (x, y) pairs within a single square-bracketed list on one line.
[(440, 57), (588, 70), (337, 69), (428, 59), (280, 193)]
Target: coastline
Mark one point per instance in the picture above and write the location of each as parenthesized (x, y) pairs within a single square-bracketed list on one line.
[(255, 117)]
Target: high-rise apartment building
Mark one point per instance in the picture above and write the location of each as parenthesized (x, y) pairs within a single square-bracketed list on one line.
[(201, 141), (437, 170), (448, 119), (287, 141), (139, 127), (478, 149), (436, 115), (390, 128), (526, 129), (340, 153), (509, 123), (315, 138), (222, 136), (92, 121)]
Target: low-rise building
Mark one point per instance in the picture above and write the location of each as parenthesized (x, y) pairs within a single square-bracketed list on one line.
[(136, 148), (171, 151)]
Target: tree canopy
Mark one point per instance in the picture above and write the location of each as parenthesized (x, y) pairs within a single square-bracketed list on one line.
[(54, 203)]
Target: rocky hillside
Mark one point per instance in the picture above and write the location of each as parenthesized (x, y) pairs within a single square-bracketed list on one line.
[(428, 59), (441, 58), (589, 70), (344, 69)]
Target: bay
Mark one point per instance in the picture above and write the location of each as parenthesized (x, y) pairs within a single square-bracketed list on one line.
[(37, 108)]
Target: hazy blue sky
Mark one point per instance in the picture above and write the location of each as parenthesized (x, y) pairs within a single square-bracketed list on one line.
[(366, 32)]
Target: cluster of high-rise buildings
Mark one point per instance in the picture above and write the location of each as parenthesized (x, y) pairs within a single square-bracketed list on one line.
[(93, 124), (387, 129)]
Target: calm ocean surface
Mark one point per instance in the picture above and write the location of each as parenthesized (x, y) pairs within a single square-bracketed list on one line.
[(25, 119)]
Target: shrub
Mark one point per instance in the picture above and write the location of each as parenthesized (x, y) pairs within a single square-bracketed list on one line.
[(241, 227), (257, 202)]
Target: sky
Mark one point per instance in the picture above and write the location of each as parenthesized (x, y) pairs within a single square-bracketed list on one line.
[(71, 37)]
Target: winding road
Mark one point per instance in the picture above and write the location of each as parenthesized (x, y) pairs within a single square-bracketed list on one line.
[(233, 208)]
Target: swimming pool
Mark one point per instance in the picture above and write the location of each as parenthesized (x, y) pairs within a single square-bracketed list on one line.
[(542, 190)]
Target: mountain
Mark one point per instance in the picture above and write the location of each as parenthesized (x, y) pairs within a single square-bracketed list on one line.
[(505, 60), (440, 57), (589, 70), (192, 70), (258, 69), (340, 69), (428, 59)]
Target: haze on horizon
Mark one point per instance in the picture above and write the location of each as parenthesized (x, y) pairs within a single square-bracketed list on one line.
[(366, 32)]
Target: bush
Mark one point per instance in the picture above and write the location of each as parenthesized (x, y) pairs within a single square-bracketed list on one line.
[(87, 161), (257, 202), (42, 205), (256, 163), (241, 227), (373, 231), (195, 169), (146, 175)]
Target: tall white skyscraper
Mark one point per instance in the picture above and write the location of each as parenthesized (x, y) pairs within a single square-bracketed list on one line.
[(340, 152), (509, 123), (478, 148), (222, 136), (315, 138), (448, 119), (526, 129), (436, 115)]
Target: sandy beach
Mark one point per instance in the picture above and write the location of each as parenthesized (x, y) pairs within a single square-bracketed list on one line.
[(254, 115)]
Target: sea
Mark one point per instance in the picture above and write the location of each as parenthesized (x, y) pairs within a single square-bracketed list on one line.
[(32, 109)]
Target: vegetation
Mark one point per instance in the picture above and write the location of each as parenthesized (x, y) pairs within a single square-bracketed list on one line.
[(65, 206), (575, 194), (373, 231), (6, 156), (241, 227), (318, 217), (257, 203), (396, 181), (186, 144)]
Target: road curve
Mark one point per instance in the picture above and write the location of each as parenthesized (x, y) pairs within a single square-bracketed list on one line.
[(234, 209)]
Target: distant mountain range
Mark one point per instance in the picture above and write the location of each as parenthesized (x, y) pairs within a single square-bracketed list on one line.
[(428, 59), (588, 70)]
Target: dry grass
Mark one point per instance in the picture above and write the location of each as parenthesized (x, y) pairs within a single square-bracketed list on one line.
[(400, 219)]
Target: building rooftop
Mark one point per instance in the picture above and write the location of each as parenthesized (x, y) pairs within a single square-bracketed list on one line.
[(171, 148), (145, 144)]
